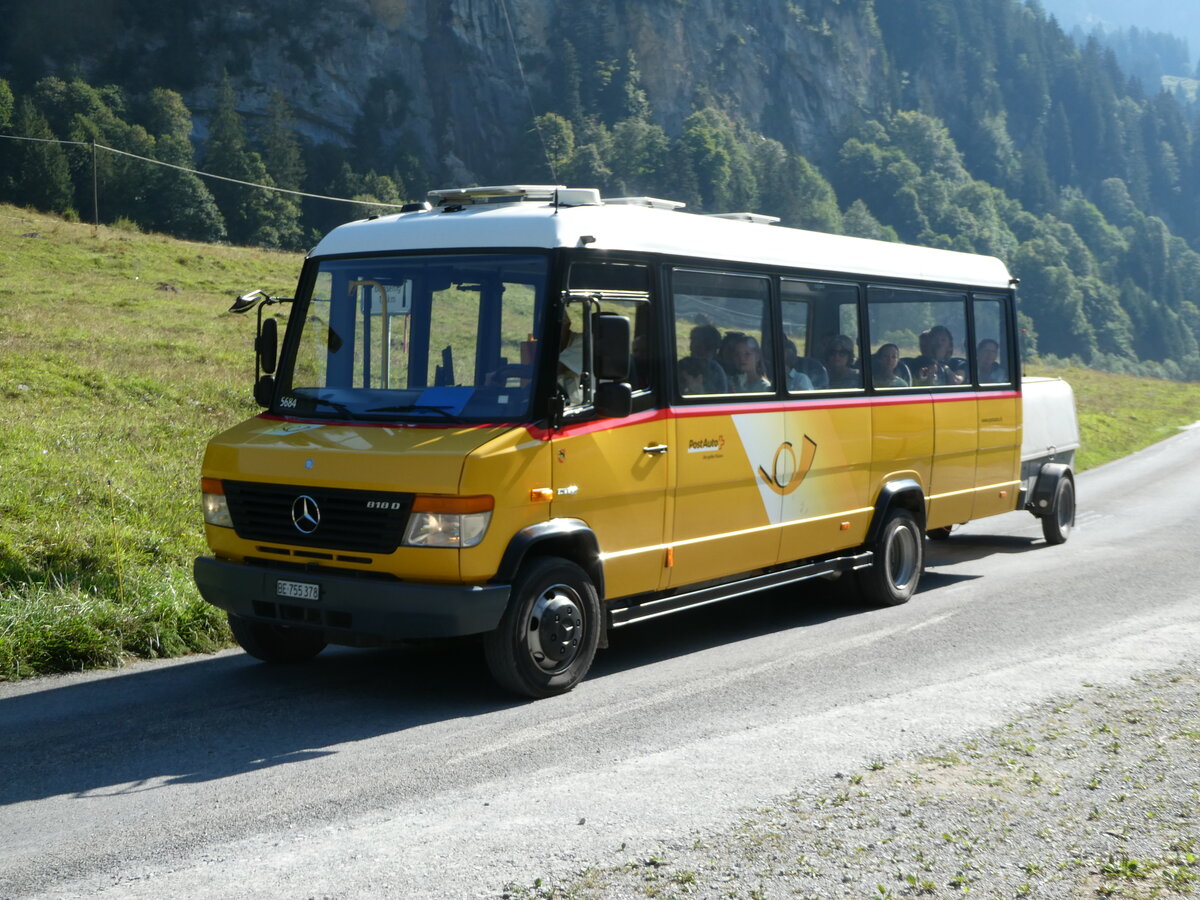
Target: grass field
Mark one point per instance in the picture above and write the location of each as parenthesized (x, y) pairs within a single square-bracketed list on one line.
[(118, 361)]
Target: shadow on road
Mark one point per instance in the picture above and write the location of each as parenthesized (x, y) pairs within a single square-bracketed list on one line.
[(215, 717), (970, 546)]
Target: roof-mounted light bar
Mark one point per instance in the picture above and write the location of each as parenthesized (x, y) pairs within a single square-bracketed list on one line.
[(515, 193), (756, 218), (651, 202)]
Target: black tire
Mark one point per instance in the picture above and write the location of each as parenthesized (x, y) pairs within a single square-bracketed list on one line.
[(899, 558), (1057, 524), (276, 643), (547, 638)]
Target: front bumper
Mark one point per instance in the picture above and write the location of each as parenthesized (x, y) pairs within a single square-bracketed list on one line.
[(348, 607)]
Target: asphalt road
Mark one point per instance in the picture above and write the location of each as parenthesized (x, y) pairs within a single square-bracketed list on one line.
[(405, 773)]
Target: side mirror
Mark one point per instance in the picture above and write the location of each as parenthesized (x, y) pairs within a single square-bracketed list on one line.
[(266, 345), (264, 391), (611, 343), (613, 400)]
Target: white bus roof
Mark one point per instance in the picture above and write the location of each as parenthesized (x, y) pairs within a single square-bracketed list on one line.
[(527, 217)]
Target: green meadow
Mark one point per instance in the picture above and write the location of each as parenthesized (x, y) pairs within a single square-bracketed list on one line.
[(118, 361)]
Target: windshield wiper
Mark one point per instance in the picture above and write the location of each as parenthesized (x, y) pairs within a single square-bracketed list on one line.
[(415, 407), (340, 408)]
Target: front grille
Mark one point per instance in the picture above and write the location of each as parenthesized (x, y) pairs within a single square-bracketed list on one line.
[(365, 521)]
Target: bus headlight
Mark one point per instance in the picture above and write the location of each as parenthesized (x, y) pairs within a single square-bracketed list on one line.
[(216, 510), (448, 521)]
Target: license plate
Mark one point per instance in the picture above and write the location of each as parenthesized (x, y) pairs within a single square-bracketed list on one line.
[(298, 590)]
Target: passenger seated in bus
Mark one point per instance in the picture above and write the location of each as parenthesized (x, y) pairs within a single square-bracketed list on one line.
[(704, 342), (640, 364), (987, 357), (725, 353), (750, 375), (886, 368), (691, 376), (839, 363), (951, 369), (796, 379), (922, 369), (570, 363)]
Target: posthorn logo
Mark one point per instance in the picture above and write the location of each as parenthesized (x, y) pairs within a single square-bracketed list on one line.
[(787, 472), (306, 514)]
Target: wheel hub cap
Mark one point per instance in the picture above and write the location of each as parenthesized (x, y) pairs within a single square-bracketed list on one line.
[(555, 629)]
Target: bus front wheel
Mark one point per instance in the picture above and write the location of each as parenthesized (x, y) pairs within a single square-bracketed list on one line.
[(899, 557), (547, 637)]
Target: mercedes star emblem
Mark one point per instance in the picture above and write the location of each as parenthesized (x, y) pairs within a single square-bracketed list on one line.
[(306, 515)]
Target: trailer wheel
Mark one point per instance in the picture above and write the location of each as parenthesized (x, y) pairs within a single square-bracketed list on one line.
[(899, 557), (276, 643), (1057, 524), (547, 638)]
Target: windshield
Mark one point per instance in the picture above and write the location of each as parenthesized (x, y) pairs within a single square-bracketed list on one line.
[(423, 337)]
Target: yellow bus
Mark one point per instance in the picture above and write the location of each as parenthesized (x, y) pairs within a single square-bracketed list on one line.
[(535, 415)]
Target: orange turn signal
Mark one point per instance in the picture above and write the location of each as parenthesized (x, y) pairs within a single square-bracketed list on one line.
[(457, 505), (212, 486), (541, 495)]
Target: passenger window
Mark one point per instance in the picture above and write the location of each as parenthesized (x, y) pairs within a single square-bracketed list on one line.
[(723, 337), (918, 338), (622, 289), (991, 354), (812, 309)]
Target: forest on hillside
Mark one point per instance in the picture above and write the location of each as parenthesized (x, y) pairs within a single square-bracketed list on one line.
[(995, 133)]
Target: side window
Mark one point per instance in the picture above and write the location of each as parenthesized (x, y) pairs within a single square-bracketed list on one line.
[(622, 289), (991, 350), (918, 338), (723, 338), (820, 335)]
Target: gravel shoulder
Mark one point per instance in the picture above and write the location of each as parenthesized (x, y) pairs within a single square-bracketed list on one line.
[(1093, 794)]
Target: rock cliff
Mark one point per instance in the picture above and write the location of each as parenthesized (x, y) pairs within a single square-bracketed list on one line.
[(441, 80)]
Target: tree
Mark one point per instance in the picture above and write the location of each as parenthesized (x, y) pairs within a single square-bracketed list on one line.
[(226, 153), (253, 215), (182, 204), (639, 155), (858, 221), (7, 104), (794, 190), (554, 137), (43, 178), (281, 150), (719, 161)]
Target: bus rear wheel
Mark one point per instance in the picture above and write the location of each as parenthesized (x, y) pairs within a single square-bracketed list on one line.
[(275, 643), (1057, 525), (547, 638), (899, 557)]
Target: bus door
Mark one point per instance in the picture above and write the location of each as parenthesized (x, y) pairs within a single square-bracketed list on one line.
[(923, 415), (952, 483), (614, 474), (822, 471), (726, 426), (999, 460)]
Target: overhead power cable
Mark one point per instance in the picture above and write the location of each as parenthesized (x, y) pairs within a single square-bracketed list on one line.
[(159, 162)]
